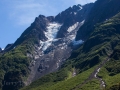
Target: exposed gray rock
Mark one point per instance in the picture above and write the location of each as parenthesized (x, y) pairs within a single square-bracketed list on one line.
[(56, 40), (53, 57)]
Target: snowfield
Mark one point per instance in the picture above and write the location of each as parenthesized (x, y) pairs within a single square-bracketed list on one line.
[(51, 32)]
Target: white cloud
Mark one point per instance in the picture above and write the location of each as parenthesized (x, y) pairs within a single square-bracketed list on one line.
[(30, 5), (24, 11), (25, 20), (83, 1)]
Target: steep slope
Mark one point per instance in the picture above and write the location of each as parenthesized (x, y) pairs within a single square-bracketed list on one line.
[(71, 15), (42, 47), (101, 49), (0, 49), (51, 53), (101, 11)]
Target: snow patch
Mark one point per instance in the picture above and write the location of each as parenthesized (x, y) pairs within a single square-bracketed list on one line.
[(57, 65), (55, 40), (75, 13), (82, 22), (71, 28), (98, 70), (81, 8), (50, 33), (36, 57), (77, 42), (52, 30), (71, 37), (62, 47)]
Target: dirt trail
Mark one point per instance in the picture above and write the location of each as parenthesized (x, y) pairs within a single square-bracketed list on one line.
[(94, 74)]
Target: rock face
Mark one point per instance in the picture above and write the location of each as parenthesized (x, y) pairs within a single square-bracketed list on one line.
[(0, 49), (56, 37), (100, 12), (52, 53), (8, 46), (70, 16)]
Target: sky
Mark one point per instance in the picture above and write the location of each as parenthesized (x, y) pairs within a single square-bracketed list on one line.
[(17, 15)]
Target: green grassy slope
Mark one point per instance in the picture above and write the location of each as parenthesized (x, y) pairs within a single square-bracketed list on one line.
[(14, 63), (111, 71), (66, 84)]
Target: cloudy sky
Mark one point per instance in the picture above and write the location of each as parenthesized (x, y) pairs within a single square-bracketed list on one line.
[(17, 15)]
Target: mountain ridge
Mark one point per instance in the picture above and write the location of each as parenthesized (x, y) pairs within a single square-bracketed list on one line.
[(49, 56), (29, 52)]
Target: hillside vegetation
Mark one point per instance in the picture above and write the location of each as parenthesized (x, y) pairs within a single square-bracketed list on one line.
[(14, 63)]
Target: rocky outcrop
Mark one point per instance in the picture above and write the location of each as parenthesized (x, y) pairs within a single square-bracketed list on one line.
[(0, 49)]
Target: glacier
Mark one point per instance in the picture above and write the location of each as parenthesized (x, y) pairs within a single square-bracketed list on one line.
[(50, 33)]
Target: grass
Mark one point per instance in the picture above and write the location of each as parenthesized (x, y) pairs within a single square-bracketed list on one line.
[(67, 84), (93, 84), (109, 80), (69, 75)]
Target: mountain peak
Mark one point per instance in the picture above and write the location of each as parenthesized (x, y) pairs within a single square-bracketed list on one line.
[(77, 7)]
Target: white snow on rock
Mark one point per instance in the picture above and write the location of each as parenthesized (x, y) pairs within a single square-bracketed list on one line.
[(77, 42), (62, 47), (52, 30), (82, 22), (36, 57), (50, 33), (73, 27), (75, 13), (46, 45), (71, 37), (98, 70), (55, 40), (81, 8)]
